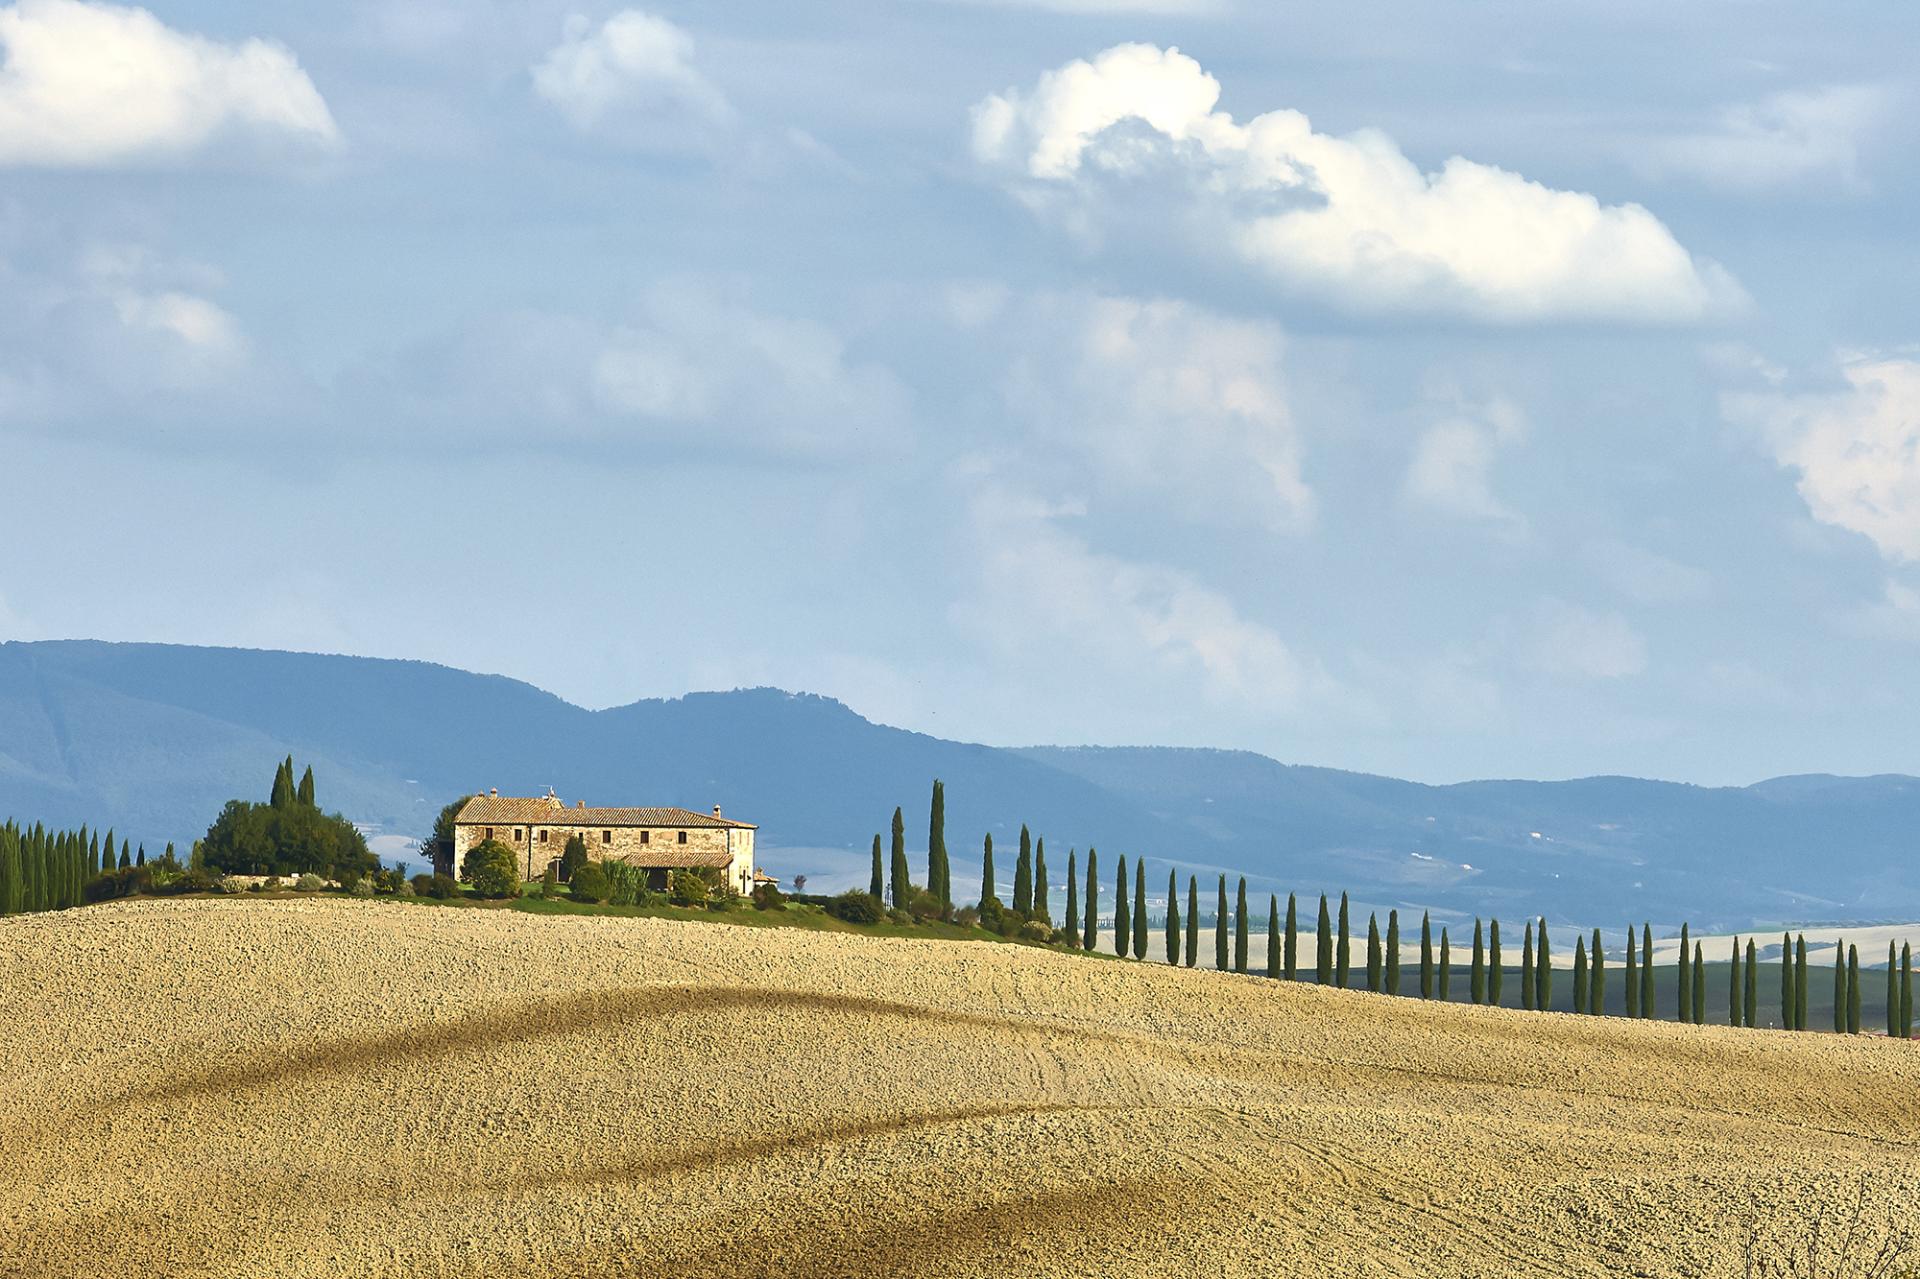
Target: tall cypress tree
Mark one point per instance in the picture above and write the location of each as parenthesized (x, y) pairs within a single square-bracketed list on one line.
[(1393, 952), (1072, 922), (1496, 968), (1240, 927), (899, 868), (1290, 955), (1526, 967), (1446, 967), (986, 866), (1906, 990), (305, 794), (1633, 977), (1426, 955), (1580, 974), (878, 885), (1273, 936), (1734, 1002), (1220, 928), (1786, 983), (1699, 986), (1597, 977), (1173, 919), (1323, 946), (1343, 949), (1839, 988), (9, 872), (939, 882), (1041, 910), (1800, 982), (1140, 908), (1685, 977), (1122, 913), (1477, 975), (282, 794), (1853, 990), (1893, 993), (1090, 936), (1750, 1005), (1193, 921), (126, 856), (1023, 875), (1373, 953), (1647, 1009), (1543, 969)]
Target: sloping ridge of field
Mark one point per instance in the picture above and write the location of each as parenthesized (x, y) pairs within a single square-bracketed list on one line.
[(259, 1088)]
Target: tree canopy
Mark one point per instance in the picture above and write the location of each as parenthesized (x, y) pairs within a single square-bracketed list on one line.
[(288, 835)]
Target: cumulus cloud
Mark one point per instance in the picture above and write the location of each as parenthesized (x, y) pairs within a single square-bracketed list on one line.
[(1452, 467), (1130, 142), (89, 85), (1856, 449), (1797, 138), (635, 67)]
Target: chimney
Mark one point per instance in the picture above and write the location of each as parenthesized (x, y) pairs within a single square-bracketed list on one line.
[(494, 792), (580, 803), (716, 810)]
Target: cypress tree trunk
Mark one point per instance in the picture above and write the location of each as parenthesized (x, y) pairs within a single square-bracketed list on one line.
[(1343, 956), (1041, 911), (899, 867), (1633, 977), (1839, 989), (1684, 974), (1090, 935), (1496, 967), (1323, 946), (1446, 966), (1853, 990), (1734, 1002), (1393, 952), (1597, 977), (1786, 983), (1140, 908), (1579, 974), (1800, 982), (1526, 967), (1173, 920), (1240, 927), (1220, 928), (1122, 913), (1373, 954), (1427, 955), (1072, 922), (1543, 974), (1477, 979), (1290, 959), (1193, 920), (938, 881), (1273, 936), (987, 888), (1750, 1009), (1699, 987), (1023, 875), (878, 884)]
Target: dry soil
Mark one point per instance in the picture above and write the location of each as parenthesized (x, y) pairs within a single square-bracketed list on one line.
[(248, 1088)]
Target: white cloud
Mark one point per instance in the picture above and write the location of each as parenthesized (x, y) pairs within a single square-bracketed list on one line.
[(1130, 142), (1452, 468), (1792, 139), (95, 85), (1567, 640), (1647, 577), (1857, 449), (635, 66), (1162, 397)]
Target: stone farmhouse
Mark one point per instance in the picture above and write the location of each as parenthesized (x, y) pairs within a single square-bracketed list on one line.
[(661, 840)]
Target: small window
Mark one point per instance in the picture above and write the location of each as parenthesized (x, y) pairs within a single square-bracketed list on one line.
[(489, 832), (516, 834), (543, 837), (606, 837), (646, 837), (683, 837)]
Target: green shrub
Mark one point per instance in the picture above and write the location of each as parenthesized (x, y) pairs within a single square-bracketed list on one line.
[(572, 858), (724, 900), (1036, 930), (688, 888), (389, 879), (229, 885), (856, 907), (443, 887), (307, 883), (589, 883), (361, 887), (967, 917), (992, 915), (768, 897), (423, 884), (350, 878), (404, 888), (272, 884), (923, 906), (492, 869)]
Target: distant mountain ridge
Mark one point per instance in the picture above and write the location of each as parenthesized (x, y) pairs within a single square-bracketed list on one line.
[(152, 739)]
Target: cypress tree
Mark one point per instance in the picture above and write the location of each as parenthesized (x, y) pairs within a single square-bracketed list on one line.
[(1173, 919), (9, 872), (1290, 956), (1853, 990), (1393, 952), (1240, 927), (1699, 986), (1122, 913), (899, 861), (1597, 977), (1685, 976), (877, 885), (1041, 910), (1906, 990), (1140, 908), (1193, 921), (1446, 966), (1734, 1002), (1526, 967), (1750, 1007), (1343, 949), (1800, 982), (986, 866), (1647, 1009), (126, 856), (1090, 935), (1633, 977), (1072, 922), (1220, 928), (1023, 875), (282, 794), (1426, 955), (939, 881), (1323, 946), (1839, 988), (1477, 975), (93, 856), (305, 794), (1273, 936), (1373, 953), (1543, 970), (1496, 970), (1786, 983), (1893, 994), (140, 858), (1579, 974)]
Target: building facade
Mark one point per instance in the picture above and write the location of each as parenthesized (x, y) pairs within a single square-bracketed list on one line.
[(660, 840)]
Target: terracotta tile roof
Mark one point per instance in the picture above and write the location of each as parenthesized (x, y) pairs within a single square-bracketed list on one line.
[(504, 810), (672, 857)]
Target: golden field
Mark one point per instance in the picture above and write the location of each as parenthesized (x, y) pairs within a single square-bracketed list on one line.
[(331, 1087)]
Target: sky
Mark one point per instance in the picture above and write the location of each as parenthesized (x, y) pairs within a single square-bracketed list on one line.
[(1442, 391)]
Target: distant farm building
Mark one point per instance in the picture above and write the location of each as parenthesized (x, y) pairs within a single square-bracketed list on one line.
[(661, 840)]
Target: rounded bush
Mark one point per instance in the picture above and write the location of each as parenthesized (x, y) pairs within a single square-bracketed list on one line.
[(492, 869), (589, 883), (1036, 930), (308, 883), (856, 907), (442, 886), (361, 887)]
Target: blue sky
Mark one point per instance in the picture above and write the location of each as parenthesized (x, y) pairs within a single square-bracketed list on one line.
[(1442, 391)]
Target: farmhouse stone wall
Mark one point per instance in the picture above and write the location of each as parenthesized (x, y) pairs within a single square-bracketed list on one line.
[(539, 844)]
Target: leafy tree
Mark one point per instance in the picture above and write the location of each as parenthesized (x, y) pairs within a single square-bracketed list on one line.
[(1579, 974), (855, 907), (987, 886), (1374, 973), (1090, 935), (902, 884), (1853, 990), (1496, 970), (1273, 935), (1393, 952), (490, 868), (1173, 918), (284, 838), (1633, 977), (1140, 908), (1041, 911), (1323, 946), (1597, 977), (1290, 952), (1072, 922), (877, 881), (1426, 955), (1023, 875), (1343, 959), (1526, 967), (1193, 920), (1122, 916), (1839, 988), (572, 858), (939, 880), (1699, 986), (1685, 976), (1240, 928), (1477, 979), (1220, 928)]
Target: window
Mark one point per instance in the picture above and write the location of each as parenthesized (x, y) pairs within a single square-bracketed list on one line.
[(489, 832), (683, 837), (646, 837), (516, 834), (606, 837), (543, 837)]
